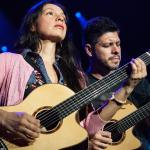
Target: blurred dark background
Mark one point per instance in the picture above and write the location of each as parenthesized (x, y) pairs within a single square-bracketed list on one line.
[(132, 16)]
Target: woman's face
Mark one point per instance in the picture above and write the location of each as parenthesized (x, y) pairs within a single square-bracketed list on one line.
[(51, 23)]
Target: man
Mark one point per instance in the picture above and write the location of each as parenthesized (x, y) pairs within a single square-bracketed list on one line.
[(102, 45)]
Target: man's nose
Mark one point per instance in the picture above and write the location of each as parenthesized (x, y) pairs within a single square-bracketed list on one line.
[(115, 49)]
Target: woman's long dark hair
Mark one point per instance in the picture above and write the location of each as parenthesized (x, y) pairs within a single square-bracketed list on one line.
[(70, 63)]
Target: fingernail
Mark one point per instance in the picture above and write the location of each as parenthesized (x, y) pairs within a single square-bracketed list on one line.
[(132, 59)]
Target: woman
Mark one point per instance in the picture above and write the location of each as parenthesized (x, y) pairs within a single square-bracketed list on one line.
[(47, 57)]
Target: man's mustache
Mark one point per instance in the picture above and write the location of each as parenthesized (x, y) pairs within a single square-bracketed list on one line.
[(115, 56)]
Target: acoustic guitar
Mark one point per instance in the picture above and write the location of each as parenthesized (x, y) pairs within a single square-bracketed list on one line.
[(123, 138), (56, 107)]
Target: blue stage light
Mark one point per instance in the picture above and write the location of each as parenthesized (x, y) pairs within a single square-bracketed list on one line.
[(82, 20), (78, 14), (4, 49)]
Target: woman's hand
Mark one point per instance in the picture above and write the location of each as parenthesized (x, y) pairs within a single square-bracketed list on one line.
[(20, 124), (100, 140)]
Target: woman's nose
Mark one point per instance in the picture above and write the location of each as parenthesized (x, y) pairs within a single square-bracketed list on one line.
[(60, 18)]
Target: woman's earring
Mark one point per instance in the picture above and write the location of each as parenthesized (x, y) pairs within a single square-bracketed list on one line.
[(60, 44)]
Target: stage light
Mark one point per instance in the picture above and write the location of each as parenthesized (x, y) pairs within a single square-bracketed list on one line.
[(81, 19), (4, 49), (78, 14)]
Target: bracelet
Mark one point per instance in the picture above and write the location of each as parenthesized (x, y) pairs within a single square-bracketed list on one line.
[(118, 102)]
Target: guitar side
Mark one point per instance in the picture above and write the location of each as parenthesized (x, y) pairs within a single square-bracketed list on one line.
[(67, 134), (129, 141)]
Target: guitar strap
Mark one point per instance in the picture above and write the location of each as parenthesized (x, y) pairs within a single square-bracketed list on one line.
[(40, 80)]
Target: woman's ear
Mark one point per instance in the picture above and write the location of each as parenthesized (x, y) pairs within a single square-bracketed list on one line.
[(33, 28), (88, 50)]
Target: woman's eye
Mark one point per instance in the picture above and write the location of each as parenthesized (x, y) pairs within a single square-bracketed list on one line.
[(50, 13)]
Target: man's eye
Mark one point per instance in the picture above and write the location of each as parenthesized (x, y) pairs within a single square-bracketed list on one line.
[(106, 45), (118, 44)]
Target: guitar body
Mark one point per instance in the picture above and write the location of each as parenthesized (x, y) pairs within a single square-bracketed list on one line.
[(66, 134), (128, 140)]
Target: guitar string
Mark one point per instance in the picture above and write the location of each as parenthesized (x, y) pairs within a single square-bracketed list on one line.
[(142, 117), (2, 145), (57, 117), (130, 121), (142, 110), (52, 121), (40, 118), (68, 106), (110, 127), (94, 89), (143, 114)]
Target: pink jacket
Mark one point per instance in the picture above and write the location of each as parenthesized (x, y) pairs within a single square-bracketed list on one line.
[(14, 75)]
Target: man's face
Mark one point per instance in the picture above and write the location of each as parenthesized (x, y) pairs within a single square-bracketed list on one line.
[(107, 50)]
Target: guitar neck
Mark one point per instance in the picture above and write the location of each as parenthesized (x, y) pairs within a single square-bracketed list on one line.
[(85, 96), (131, 119), (88, 94), (2, 145)]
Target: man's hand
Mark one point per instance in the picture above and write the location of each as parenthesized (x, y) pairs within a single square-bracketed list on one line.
[(139, 72), (100, 140)]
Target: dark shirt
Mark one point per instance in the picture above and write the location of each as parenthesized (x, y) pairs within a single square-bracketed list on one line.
[(102, 99), (141, 93)]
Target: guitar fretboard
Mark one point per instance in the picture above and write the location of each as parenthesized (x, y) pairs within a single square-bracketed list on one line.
[(98, 88), (130, 120), (2, 145), (85, 96)]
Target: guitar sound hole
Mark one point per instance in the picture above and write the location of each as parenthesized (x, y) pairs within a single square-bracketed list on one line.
[(117, 137), (49, 120)]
